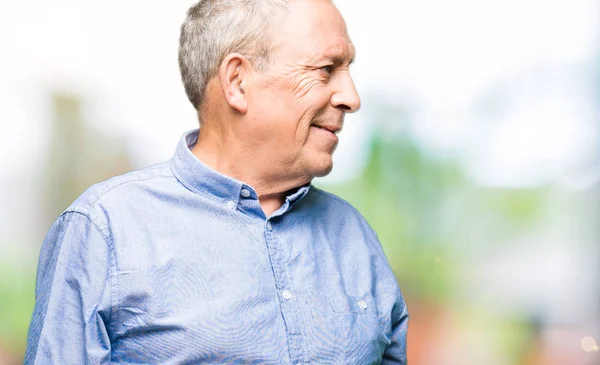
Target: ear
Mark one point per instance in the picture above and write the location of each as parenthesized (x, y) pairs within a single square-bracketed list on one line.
[(233, 74)]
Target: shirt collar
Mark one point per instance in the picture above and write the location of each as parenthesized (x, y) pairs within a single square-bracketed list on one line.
[(200, 178), (203, 180)]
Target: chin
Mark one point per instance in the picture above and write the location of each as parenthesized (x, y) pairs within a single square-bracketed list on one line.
[(322, 169)]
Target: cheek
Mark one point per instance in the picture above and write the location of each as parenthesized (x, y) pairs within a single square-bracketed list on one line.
[(302, 84), (284, 127), (294, 102)]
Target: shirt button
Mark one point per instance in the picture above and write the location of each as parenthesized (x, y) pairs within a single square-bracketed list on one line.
[(230, 204), (245, 193), (287, 295), (362, 304), (269, 226)]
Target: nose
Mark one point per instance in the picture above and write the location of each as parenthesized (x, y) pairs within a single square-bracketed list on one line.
[(346, 97)]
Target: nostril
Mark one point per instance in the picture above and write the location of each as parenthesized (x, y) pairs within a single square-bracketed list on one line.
[(345, 107)]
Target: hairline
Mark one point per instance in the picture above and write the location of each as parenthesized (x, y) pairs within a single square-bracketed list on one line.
[(202, 51)]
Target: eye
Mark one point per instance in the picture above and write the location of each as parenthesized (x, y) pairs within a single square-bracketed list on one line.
[(328, 69)]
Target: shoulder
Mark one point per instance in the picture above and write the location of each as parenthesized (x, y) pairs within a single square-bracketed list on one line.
[(329, 198), (325, 205), (322, 199), (118, 188)]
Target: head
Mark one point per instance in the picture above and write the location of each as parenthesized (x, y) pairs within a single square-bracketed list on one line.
[(290, 89), (215, 28)]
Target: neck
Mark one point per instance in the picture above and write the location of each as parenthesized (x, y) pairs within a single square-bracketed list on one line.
[(240, 158)]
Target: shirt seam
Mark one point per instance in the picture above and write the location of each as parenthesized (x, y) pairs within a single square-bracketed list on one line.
[(114, 284), (333, 197), (67, 221), (360, 216), (109, 189)]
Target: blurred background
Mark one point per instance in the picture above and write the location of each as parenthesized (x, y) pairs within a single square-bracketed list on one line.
[(476, 155)]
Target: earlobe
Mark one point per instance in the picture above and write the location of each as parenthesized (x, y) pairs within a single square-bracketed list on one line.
[(232, 74)]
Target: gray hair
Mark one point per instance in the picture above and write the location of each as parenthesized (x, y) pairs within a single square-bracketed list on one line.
[(215, 28)]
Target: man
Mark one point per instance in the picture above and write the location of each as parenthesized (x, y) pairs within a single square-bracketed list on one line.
[(226, 254)]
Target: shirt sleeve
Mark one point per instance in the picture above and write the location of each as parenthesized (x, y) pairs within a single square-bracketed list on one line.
[(73, 296), (395, 353)]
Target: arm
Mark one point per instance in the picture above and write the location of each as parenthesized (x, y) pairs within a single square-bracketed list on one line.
[(395, 353), (73, 297)]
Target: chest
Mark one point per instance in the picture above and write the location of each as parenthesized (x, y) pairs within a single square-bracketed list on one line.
[(245, 295)]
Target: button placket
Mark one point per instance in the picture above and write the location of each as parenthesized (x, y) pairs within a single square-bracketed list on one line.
[(289, 311)]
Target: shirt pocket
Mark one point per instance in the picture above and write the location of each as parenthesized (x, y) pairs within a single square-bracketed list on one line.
[(359, 327)]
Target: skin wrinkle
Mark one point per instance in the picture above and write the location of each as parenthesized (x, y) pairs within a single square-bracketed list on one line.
[(302, 85), (260, 125)]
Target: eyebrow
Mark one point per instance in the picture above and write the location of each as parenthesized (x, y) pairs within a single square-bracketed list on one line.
[(339, 60)]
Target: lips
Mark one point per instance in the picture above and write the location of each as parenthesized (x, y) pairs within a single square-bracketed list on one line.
[(330, 128)]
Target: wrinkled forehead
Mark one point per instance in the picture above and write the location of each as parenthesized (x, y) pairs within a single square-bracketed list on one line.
[(313, 29)]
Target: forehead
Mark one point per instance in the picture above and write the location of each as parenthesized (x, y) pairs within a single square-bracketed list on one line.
[(313, 29)]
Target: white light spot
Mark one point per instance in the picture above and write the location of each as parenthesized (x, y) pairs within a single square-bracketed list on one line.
[(588, 344)]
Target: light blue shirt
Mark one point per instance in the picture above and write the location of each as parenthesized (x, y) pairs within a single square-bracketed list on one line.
[(177, 264)]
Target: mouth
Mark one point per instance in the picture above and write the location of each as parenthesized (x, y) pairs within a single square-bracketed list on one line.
[(332, 129)]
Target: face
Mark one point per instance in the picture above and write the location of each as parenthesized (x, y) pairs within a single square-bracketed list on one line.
[(297, 105)]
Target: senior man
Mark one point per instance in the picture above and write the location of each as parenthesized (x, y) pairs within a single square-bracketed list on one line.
[(226, 254)]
